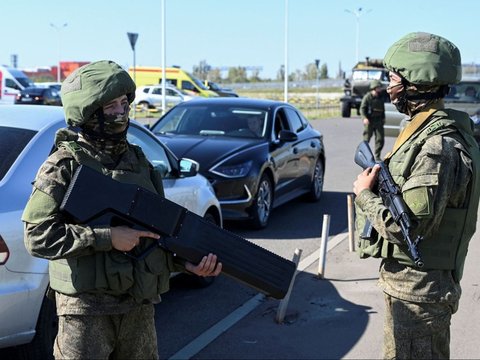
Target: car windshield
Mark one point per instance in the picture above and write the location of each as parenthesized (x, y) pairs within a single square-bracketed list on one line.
[(468, 92), (197, 82), (12, 142), (217, 120), (367, 75)]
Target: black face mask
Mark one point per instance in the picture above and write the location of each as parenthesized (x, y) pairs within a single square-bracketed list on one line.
[(105, 132), (398, 96)]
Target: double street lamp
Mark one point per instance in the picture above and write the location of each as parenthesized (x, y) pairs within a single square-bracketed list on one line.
[(357, 13), (59, 28)]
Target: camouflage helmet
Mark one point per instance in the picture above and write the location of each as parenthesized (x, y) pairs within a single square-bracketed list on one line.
[(375, 83), (90, 87), (425, 59)]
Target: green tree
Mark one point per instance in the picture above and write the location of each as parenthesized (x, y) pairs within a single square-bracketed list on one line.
[(281, 73), (255, 76), (214, 75), (201, 70), (237, 74), (311, 72), (324, 71)]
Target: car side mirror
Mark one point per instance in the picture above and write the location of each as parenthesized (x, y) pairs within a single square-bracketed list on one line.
[(287, 136), (188, 167)]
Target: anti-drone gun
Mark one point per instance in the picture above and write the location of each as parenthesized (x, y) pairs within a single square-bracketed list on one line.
[(96, 199)]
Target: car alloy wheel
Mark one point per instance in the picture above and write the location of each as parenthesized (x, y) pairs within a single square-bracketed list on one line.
[(263, 203), (317, 182)]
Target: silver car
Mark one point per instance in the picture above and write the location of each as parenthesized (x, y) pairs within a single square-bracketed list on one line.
[(26, 139)]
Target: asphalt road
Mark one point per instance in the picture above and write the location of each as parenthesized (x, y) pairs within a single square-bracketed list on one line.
[(186, 314), (338, 317)]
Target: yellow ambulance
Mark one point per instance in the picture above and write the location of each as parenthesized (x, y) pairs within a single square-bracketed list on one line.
[(144, 75)]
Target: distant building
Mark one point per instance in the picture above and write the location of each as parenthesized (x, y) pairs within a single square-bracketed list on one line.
[(49, 73)]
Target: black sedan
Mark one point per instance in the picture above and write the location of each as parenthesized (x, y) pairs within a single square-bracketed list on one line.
[(258, 154), (39, 96)]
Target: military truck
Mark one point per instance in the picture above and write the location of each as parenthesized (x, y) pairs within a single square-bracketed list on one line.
[(358, 85)]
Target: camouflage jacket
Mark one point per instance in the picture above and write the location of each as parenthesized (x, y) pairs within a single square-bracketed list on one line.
[(435, 179), (372, 107), (51, 235)]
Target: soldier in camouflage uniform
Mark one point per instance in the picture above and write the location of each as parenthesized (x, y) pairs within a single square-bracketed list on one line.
[(104, 298), (435, 162), (372, 111)]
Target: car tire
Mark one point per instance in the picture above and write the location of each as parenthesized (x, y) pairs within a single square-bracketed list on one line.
[(144, 105), (200, 281), (262, 205), (41, 346), (316, 188), (346, 109)]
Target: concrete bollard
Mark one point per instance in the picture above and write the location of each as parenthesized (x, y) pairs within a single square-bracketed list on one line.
[(351, 223), (282, 307), (323, 246)]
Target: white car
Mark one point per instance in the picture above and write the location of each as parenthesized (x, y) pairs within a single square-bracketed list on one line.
[(26, 139), (151, 96)]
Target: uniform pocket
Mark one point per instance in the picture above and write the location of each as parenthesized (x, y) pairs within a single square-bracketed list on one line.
[(118, 271)]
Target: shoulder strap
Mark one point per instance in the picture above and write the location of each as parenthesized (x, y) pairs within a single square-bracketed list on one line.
[(419, 120)]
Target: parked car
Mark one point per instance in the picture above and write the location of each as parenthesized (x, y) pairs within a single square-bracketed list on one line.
[(464, 96), (54, 85), (26, 138), (210, 85), (151, 96), (39, 96), (251, 170)]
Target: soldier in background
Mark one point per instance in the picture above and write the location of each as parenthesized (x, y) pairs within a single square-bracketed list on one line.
[(372, 111), (436, 164), (104, 298)]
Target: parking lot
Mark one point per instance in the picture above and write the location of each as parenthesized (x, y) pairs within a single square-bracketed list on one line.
[(338, 317)]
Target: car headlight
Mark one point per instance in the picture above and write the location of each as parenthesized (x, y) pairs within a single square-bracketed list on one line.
[(476, 119), (233, 171)]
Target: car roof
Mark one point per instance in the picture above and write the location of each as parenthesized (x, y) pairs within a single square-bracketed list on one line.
[(235, 101), (34, 117)]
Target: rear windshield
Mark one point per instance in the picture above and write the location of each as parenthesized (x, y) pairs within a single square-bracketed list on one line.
[(12, 142)]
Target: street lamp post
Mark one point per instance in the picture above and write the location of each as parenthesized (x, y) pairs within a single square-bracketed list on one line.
[(357, 13), (317, 64), (285, 80), (58, 28)]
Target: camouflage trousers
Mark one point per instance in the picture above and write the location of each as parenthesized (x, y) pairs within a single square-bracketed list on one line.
[(417, 330), (123, 336), (375, 127)]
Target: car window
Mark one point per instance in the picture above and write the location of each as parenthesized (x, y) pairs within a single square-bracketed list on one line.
[(171, 92), (146, 90), (280, 122), (154, 152), (11, 84), (214, 120), (295, 121), (187, 85), (157, 91), (12, 142), (464, 92)]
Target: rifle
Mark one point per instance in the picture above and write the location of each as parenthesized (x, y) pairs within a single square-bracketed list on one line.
[(96, 199), (391, 198)]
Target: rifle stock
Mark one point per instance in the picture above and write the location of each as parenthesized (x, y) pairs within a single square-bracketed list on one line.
[(95, 199)]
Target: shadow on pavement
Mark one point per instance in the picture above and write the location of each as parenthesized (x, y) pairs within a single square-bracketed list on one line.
[(319, 324), (299, 219)]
